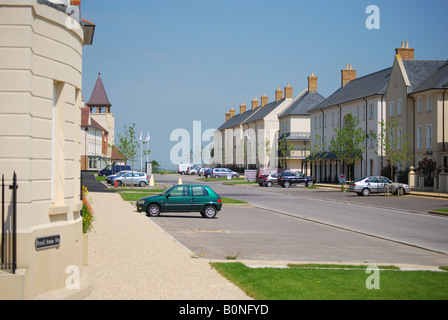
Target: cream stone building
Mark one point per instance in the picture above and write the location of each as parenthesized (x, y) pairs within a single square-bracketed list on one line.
[(249, 139), (41, 51), (416, 97)]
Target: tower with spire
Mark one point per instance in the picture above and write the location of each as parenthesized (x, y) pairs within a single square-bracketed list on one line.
[(98, 109)]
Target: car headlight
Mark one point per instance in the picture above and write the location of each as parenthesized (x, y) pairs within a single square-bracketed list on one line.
[(140, 201)]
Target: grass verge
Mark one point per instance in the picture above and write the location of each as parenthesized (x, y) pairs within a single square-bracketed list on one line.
[(334, 284)]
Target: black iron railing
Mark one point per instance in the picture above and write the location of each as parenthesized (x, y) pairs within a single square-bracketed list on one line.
[(9, 228)]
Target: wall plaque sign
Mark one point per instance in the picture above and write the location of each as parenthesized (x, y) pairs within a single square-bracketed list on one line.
[(48, 242)]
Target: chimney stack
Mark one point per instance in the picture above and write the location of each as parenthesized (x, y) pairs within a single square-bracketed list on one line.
[(312, 83), (348, 75), (264, 100), (242, 108), (405, 52), (288, 92), (278, 94), (232, 113), (227, 116), (255, 104)]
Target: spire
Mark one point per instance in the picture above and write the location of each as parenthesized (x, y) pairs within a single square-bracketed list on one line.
[(99, 99)]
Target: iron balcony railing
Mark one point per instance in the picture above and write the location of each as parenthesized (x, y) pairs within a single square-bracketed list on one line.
[(9, 229)]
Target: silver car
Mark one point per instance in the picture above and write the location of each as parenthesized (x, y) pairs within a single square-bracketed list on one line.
[(136, 178), (377, 184)]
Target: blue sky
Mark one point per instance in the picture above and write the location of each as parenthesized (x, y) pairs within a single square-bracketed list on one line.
[(168, 63)]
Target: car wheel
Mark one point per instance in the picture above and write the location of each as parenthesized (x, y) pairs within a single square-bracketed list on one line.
[(208, 176), (142, 184), (153, 210), (365, 192), (209, 212), (216, 177), (119, 183), (287, 184), (269, 184)]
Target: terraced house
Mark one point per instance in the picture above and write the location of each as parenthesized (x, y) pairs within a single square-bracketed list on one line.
[(411, 91), (251, 138)]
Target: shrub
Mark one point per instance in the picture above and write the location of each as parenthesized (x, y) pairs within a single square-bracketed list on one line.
[(87, 212)]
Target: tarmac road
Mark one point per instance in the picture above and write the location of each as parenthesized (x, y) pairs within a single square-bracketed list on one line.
[(281, 226)]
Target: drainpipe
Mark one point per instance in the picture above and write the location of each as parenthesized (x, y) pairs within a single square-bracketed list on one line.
[(367, 135), (413, 130), (443, 121)]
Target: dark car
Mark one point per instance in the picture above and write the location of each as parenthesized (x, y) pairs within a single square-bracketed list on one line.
[(289, 178), (182, 198)]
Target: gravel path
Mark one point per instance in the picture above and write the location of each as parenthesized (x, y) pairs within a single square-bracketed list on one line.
[(131, 258)]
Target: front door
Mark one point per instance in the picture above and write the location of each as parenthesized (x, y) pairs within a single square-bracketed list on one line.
[(179, 199)]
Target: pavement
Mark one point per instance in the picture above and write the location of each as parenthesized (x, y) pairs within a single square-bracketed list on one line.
[(131, 258)]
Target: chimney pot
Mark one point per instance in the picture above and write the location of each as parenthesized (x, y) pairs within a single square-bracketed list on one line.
[(405, 52), (312, 83), (232, 112), (288, 92), (278, 94), (347, 75), (255, 103), (242, 108), (264, 100)]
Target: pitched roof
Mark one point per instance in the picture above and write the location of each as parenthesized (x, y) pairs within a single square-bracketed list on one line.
[(263, 111), (367, 86), (99, 96), (87, 121), (425, 74), (304, 103)]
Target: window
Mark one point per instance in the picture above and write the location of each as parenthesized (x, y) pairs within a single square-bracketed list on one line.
[(429, 136), (371, 139), (371, 111), (332, 119), (199, 192), (391, 109), (419, 137), (180, 191), (399, 134), (419, 104), (399, 108), (428, 102)]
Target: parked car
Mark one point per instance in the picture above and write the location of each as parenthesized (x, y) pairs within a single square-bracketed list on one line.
[(289, 178), (262, 173), (135, 178), (182, 198), (193, 169), (109, 178), (112, 169), (182, 168), (376, 184), (207, 173), (223, 173), (268, 180), (202, 171)]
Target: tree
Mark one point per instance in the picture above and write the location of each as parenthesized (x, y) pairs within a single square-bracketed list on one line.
[(128, 145), (395, 149), (155, 166), (348, 143), (284, 148)]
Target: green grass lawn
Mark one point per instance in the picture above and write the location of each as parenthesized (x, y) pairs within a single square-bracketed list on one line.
[(334, 284), (442, 210)]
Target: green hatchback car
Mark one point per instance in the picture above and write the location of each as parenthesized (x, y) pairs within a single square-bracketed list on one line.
[(182, 198)]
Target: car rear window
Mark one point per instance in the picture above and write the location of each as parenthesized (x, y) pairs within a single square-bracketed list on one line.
[(199, 192)]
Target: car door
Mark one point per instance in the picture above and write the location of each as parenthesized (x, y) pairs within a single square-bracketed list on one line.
[(200, 198), (374, 184), (179, 199)]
